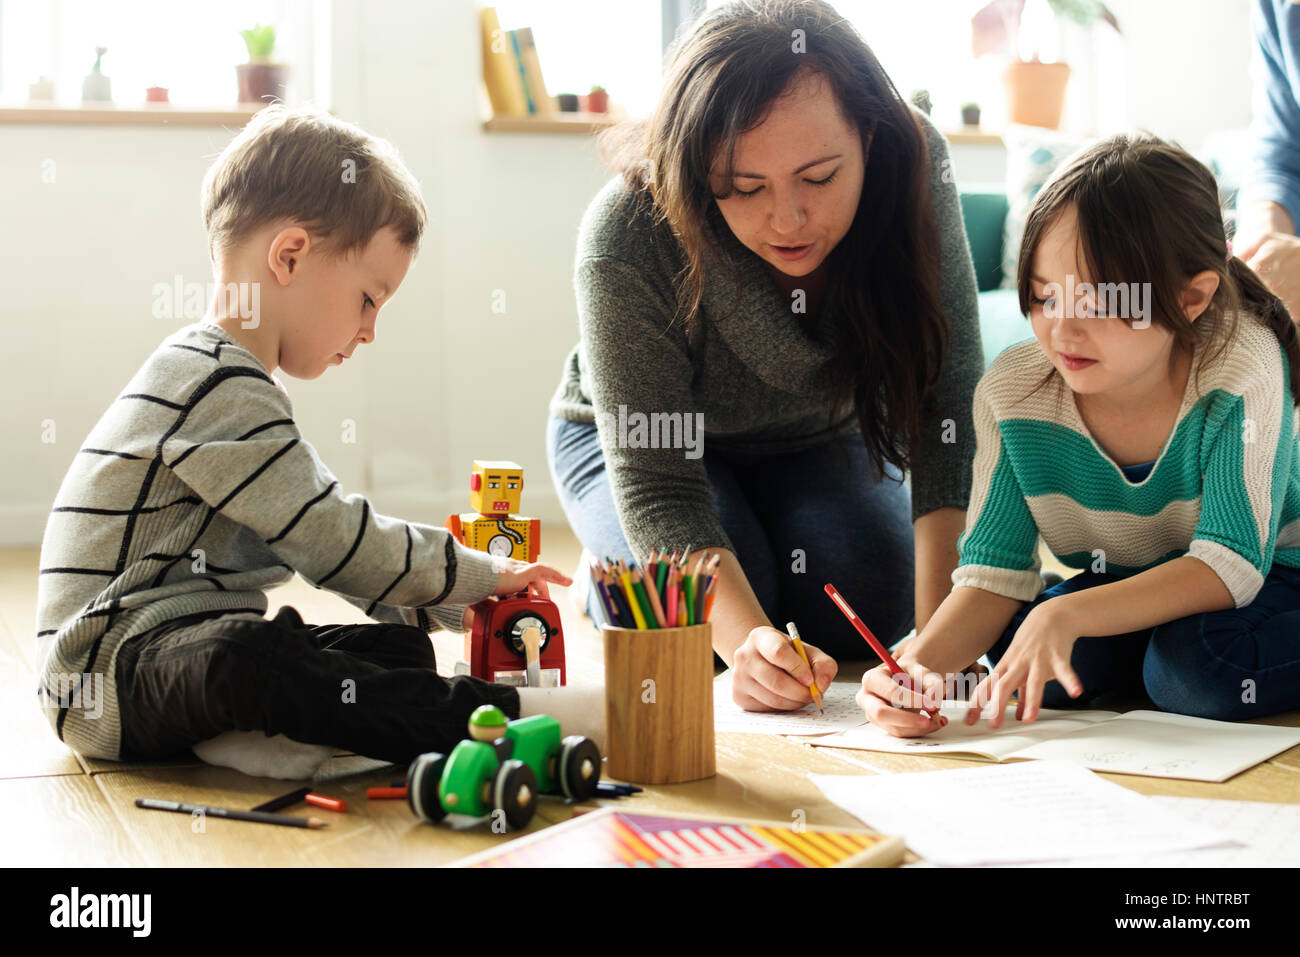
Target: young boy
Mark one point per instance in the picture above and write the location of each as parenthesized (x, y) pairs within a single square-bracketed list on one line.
[(195, 491)]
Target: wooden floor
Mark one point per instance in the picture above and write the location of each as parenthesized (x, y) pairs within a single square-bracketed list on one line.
[(60, 810)]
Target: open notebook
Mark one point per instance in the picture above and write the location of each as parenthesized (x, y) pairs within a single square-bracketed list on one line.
[(1152, 743)]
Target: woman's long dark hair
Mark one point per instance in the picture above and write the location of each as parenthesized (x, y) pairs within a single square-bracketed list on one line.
[(882, 277), (1149, 211)]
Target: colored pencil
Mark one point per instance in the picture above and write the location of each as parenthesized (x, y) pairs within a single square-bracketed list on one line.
[(233, 814), (798, 646), (656, 607), (283, 801), (871, 639), (632, 601), (671, 594)]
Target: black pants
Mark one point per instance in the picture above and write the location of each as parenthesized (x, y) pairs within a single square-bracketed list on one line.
[(370, 688)]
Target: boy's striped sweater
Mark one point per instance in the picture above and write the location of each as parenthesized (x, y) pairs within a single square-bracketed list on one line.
[(193, 493), (1225, 489)]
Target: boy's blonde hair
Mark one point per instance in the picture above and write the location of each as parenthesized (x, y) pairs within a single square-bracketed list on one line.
[(335, 179)]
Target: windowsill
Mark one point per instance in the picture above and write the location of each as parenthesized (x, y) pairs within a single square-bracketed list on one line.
[(109, 114), (582, 123), (587, 123), (973, 135)]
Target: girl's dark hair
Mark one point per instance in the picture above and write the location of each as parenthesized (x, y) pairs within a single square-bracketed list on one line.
[(882, 277), (1148, 211)]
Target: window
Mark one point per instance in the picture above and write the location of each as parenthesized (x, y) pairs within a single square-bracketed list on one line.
[(923, 45), (190, 48), (581, 43)]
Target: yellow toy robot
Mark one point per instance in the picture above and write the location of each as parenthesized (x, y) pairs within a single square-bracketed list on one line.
[(493, 527)]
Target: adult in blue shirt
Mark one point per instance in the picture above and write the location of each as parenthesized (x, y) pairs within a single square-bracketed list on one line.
[(1268, 206)]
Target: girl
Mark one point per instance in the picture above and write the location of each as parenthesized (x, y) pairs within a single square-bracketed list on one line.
[(782, 259), (1149, 436)]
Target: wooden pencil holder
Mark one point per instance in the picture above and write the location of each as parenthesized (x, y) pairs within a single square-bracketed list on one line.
[(659, 704)]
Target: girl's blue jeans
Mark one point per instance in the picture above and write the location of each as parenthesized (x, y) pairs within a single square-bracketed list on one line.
[(797, 521), (1227, 665)]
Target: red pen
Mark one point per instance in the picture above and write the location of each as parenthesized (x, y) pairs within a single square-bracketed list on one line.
[(876, 646)]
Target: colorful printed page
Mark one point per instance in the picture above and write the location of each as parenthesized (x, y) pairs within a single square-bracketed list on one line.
[(1150, 743), (1014, 813), (613, 838), (842, 712)]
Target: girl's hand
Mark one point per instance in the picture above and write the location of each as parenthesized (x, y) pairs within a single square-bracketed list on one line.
[(1039, 652), (770, 675), (515, 576), (892, 702)]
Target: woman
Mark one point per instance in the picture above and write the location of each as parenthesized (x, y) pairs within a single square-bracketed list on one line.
[(781, 267)]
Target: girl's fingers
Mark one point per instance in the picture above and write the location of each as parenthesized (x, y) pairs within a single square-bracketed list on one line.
[(978, 698), (895, 721), (1033, 692), (1003, 686), (1068, 679)]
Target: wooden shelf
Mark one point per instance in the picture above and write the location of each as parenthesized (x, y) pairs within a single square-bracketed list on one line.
[(972, 134), (554, 123), (108, 114)]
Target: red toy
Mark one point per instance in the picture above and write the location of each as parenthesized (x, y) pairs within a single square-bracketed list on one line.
[(495, 647)]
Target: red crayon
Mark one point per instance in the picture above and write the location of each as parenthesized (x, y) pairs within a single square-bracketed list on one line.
[(328, 803), (876, 646)]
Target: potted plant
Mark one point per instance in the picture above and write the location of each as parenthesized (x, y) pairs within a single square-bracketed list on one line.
[(597, 100), (1035, 90), (259, 78), (97, 88)]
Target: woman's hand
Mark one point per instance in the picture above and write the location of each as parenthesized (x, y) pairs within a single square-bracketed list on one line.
[(515, 576), (1039, 652), (770, 675), (1276, 257), (892, 702)]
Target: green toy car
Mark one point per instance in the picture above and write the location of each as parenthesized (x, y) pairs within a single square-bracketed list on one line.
[(503, 767)]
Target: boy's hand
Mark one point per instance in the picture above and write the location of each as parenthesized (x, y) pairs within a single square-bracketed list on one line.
[(515, 576)]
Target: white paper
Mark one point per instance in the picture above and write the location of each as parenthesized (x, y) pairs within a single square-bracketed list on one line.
[(842, 712), (1011, 813), (1266, 835), (1149, 743), (1162, 745), (961, 740)]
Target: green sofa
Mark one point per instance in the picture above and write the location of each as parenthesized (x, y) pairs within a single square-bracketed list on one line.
[(1001, 324)]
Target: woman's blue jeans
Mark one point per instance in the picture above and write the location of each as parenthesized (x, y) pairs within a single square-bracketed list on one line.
[(797, 521), (1227, 665)]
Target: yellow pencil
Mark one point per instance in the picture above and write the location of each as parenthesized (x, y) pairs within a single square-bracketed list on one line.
[(798, 646), (637, 614)]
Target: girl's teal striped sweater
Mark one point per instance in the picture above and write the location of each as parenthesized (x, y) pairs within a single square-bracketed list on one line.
[(1225, 488)]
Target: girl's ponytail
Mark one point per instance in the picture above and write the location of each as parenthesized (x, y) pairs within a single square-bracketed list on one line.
[(1256, 298)]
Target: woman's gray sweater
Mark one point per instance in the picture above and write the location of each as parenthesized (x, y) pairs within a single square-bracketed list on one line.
[(752, 376)]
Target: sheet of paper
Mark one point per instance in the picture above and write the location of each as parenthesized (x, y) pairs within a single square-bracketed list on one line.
[(1266, 835), (1009, 813), (842, 712), (959, 737), (1163, 745)]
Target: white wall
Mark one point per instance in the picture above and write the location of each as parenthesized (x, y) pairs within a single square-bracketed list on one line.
[(446, 380)]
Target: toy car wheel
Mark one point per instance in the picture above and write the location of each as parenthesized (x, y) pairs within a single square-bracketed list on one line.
[(422, 786), (579, 767), (514, 791)]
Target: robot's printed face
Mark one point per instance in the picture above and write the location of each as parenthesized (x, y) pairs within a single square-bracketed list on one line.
[(495, 488)]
